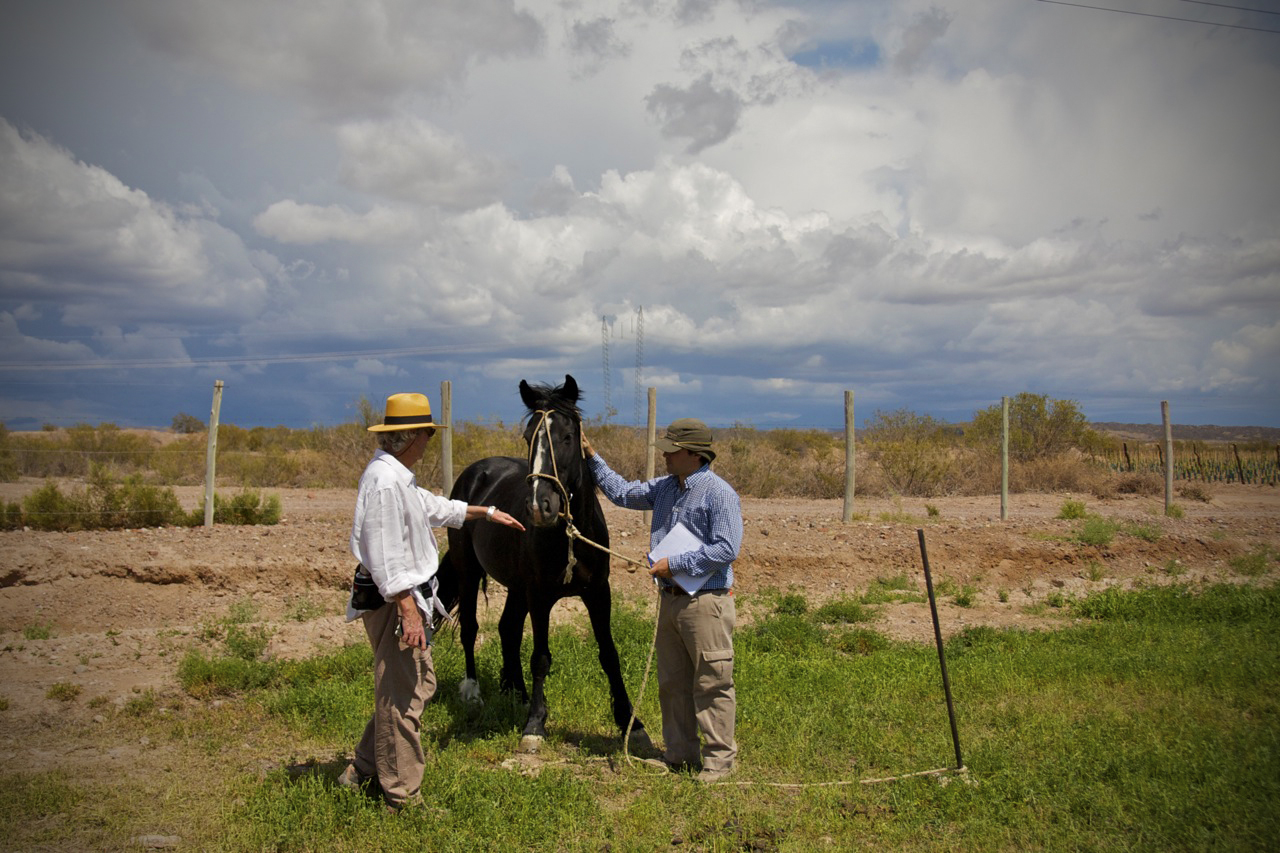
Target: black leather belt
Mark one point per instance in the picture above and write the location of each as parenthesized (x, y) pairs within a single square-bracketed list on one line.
[(675, 590)]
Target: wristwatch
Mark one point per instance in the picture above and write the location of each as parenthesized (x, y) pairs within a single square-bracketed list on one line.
[(489, 513)]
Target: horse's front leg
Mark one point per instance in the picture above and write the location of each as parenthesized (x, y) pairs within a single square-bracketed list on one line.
[(468, 628), (511, 634), (599, 609), (535, 727)]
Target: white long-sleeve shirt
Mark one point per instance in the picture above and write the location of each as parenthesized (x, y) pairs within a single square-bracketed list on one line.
[(391, 533)]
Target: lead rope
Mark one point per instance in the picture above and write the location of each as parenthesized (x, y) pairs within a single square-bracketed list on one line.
[(554, 477), (572, 532), (575, 534)]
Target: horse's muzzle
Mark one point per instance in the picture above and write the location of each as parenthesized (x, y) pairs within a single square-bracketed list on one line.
[(546, 509)]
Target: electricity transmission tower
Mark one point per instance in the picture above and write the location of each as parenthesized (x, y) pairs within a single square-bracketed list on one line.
[(639, 403), (604, 352)]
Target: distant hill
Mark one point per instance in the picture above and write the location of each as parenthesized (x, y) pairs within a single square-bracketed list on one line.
[(1184, 432)]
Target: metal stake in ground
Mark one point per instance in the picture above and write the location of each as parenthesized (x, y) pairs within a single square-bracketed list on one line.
[(942, 658)]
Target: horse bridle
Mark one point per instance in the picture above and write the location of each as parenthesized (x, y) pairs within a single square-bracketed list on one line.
[(569, 528), (544, 426)]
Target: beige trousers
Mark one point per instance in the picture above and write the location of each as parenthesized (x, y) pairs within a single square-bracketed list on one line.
[(694, 648), (404, 680)]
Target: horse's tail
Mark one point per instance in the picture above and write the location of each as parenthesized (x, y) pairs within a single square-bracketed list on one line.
[(449, 584)]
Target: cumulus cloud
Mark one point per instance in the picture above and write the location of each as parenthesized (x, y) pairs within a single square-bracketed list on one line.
[(345, 57), (594, 42), (411, 160), (307, 224), (75, 235), (699, 112), (932, 201)]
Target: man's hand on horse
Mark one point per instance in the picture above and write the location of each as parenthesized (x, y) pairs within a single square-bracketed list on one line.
[(587, 449)]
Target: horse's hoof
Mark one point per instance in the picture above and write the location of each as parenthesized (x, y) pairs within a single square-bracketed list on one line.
[(639, 742), (530, 743), (469, 689)]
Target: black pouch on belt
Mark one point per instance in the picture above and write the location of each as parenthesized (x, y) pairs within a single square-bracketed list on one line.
[(364, 592)]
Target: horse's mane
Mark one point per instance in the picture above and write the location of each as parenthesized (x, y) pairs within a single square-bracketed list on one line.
[(555, 399)]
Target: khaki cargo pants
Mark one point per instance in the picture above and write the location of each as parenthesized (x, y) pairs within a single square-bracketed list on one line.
[(694, 648)]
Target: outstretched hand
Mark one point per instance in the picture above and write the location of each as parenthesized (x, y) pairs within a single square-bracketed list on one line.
[(506, 519), (587, 449)]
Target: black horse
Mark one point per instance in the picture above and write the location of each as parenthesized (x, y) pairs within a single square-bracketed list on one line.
[(552, 493)]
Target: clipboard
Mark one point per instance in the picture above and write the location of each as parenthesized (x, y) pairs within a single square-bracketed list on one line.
[(680, 540)]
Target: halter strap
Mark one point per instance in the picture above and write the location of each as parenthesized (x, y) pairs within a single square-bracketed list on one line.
[(544, 426)]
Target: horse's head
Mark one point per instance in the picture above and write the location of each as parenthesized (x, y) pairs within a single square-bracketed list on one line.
[(553, 431)]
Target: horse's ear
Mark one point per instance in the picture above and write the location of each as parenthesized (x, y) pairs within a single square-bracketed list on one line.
[(526, 394), (571, 388)]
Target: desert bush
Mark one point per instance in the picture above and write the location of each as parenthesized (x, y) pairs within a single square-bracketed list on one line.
[(914, 451), (186, 424), (10, 515), (1072, 509), (1195, 492), (266, 469), (1138, 483), (48, 509), (759, 468), (1098, 531), (8, 465), (1062, 472), (247, 507), (1038, 427), (103, 503), (180, 462), (1256, 563), (63, 691)]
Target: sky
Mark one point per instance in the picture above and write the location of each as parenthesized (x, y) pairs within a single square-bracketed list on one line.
[(751, 206)]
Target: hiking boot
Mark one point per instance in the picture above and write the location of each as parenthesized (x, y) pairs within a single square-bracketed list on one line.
[(708, 776), (353, 778)]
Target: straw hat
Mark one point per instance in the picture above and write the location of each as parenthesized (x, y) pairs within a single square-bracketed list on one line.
[(406, 411)]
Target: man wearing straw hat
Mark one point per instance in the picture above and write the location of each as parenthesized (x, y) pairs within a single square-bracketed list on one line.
[(696, 614), (394, 595)]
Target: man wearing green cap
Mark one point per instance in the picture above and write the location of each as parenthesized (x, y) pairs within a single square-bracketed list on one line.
[(694, 644)]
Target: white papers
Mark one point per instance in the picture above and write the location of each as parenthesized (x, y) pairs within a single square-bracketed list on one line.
[(680, 540)]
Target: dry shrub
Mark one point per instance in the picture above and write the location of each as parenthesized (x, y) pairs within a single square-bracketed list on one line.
[(1065, 472), (796, 463), (1196, 492), (624, 448), (1134, 483)]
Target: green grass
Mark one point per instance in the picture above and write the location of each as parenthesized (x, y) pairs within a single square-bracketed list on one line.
[(887, 590), (1152, 723), (38, 631), (1256, 563), (1072, 509)]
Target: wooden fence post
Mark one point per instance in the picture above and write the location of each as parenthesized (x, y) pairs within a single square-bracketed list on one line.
[(1168, 456), (211, 454), (446, 437), (850, 434), (650, 459), (1004, 458)]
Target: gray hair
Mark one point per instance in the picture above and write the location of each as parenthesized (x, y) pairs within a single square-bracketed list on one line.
[(395, 441)]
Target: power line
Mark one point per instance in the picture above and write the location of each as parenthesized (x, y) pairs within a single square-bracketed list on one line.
[(1165, 17), (160, 363), (1234, 8)]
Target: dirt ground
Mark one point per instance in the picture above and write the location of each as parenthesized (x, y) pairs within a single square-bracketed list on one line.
[(121, 607)]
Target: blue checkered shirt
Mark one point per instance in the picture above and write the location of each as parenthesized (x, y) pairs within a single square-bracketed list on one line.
[(707, 505)]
